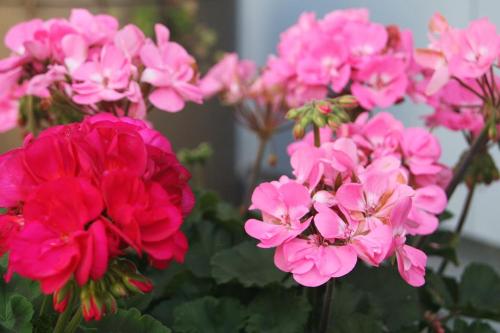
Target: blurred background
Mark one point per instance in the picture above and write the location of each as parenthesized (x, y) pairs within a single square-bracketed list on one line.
[(252, 28)]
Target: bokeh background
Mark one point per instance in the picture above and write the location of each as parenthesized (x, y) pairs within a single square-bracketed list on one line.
[(252, 28)]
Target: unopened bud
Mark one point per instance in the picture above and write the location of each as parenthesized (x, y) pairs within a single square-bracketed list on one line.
[(138, 284), (62, 297), (324, 108), (272, 160), (298, 131), (319, 120), (347, 102)]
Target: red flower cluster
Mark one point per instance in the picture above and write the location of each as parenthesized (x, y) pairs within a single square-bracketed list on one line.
[(81, 194)]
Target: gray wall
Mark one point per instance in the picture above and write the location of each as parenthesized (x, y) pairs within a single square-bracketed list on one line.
[(261, 21)]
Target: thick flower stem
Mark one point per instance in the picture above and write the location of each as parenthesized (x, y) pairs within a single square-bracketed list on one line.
[(461, 222), (325, 311), (464, 163), (62, 320), (317, 136), (254, 176), (74, 322), (460, 170), (31, 116)]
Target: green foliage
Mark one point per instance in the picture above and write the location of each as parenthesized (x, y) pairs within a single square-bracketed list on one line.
[(390, 298), (461, 326), (228, 284), (359, 323), (278, 311), (443, 244), (16, 308), (126, 321), (210, 315), (479, 292), (246, 266), (199, 155), (482, 170)]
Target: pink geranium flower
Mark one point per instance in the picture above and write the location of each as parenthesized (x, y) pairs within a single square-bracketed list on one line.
[(104, 79), (478, 47), (428, 202), (380, 82), (283, 206), (170, 70)]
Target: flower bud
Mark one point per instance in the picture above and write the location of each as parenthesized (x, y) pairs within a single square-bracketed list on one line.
[(138, 284), (298, 131), (324, 108), (63, 296), (347, 102), (272, 160), (92, 307), (319, 120)]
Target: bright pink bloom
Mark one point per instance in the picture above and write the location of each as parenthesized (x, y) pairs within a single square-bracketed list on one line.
[(421, 152), (313, 261), (411, 264), (105, 79), (9, 104), (326, 64), (380, 82), (170, 69), (365, 39), (478, 48), (283, 206), (428, 202), (130, 40), (230, 76), (96, 29)]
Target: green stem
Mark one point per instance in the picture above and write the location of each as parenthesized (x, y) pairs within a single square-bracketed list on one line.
[(464, 163), (30, 113), (63, 319), (254, 177), (325, 311), (461, 223), (74, 322)]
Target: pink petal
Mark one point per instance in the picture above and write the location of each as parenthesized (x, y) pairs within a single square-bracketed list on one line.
[(167, 99)]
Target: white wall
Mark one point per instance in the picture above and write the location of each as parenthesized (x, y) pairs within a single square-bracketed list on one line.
[(261, 21)]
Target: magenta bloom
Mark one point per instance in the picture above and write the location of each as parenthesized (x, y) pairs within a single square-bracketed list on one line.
[(124, 189)]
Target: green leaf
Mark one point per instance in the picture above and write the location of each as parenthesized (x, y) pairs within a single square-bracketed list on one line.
[(15, 314), (441, 290), (208, 240), (391, 298), (358, 323), (3, 210), (443, 244), (479, 292), (16, 309), (445, 216), (278, 311), (461, 326), (127, 321), (209, 315), (247, 264)]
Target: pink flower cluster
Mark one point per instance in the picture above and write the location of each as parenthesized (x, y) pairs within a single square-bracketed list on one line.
[(458, 73), (81, 194), (358, 195), (97, 65), (342, 53)]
